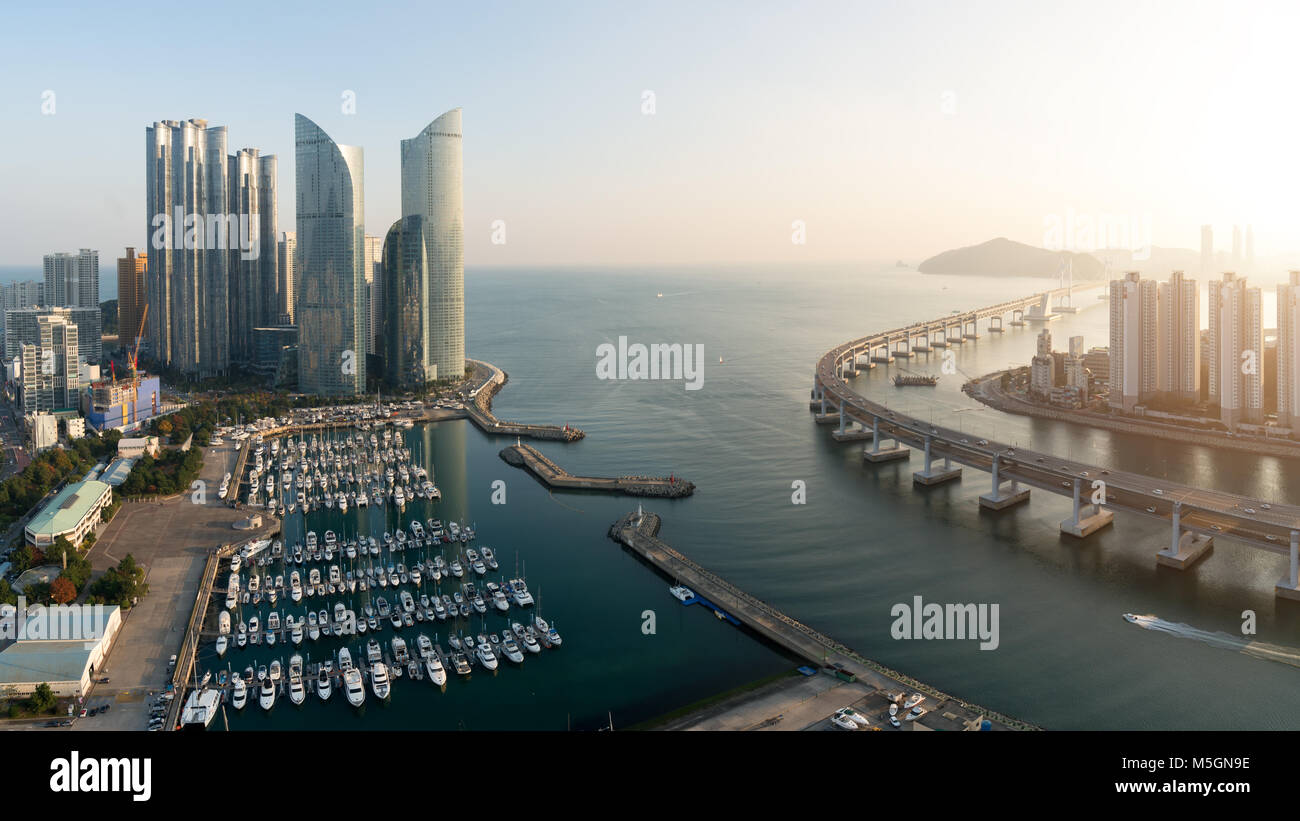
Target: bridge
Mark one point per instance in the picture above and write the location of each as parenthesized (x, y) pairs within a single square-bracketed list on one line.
[(1196, 516)]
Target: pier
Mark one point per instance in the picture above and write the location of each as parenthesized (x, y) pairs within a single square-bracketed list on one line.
[(480, 413), (639, 533), (553, 476)]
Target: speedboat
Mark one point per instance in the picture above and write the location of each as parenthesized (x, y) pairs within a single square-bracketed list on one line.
[(266, 697), (1130, 618), (843, 722), (324, 682), (379, 680)]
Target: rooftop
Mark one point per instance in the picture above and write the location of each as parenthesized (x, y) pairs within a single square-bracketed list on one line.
[(65, 510)]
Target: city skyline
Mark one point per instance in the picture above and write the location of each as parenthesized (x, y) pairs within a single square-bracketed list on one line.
[(893, 155)]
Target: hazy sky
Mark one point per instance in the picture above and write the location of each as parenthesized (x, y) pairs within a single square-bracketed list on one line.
[(890, 129)]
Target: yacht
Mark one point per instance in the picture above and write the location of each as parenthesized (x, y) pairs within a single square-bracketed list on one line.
[(266, 696), (485, 655), (296, 632), (490, 558), (681, 592), (374, 653), (510, 649), (858, 718), (423, 646), (435, 670), (297, 692), (521, 595), (400, 654), (913, 700), (295, 586), (379, 680), (222, 643), (240, 695), (843, 722), (456, 569), (200, 709), (275, 670), (325, 682), (461, 664), (408, 604)]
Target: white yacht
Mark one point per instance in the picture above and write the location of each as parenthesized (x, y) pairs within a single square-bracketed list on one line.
[(681, 592), (297, 692), (510, 648), (437, 674), (295, 586), (521, 595), (240, 695), (222, 643), (485, 655), (200, 709), (913, 700), (379, 680), (325, 682), (266, 696)]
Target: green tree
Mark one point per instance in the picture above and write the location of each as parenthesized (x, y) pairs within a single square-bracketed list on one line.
[(42, 699)]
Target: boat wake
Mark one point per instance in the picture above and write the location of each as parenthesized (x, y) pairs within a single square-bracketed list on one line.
[(1224, 641)]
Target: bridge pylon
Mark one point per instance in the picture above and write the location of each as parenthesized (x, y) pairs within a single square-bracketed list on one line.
[(1002, 496), (1080, 524), (931, 476), (1185, 547)]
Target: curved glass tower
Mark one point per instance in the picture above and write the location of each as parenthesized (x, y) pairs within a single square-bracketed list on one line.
[(330, 284), (431, 190), (405, 331)]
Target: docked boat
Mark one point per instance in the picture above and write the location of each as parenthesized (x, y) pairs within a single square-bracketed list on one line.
[(510, 649), (275, 670), (843, 722), (433, 667), (461, 664), (353, 686), (520, 592), (379, 682), (239, 697), (266, 696), (325, 682), (222, 643), (681, 592), (297, 692), (295, 586), (485, 655), (200, 709)]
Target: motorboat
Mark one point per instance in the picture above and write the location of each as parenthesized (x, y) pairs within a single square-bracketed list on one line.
[(433, 667), (239, 697), (915, 713), (1130, 618), (295, 586), (853, 714), (681, 592), (843, 722), (374, 653), (520, 592), (510, 649), (379, 682), (222, 643), (297, 692), (325, 682), (275, 670), (485, 655), (913, 700), (266, 696), (461, 664), (200, 709)]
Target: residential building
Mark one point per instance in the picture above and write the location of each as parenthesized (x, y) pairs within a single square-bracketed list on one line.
[(131, 271), (1236, 344)]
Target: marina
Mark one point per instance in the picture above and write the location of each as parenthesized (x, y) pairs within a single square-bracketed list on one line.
[(295, 617)]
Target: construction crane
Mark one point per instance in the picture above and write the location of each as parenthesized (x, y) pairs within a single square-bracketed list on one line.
[(133, 358)]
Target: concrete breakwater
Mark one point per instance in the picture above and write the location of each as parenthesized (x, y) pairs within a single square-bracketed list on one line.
[(554, 476), (639, 533), (480, 413)]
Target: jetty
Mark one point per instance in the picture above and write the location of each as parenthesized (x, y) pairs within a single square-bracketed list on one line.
[(556, 477), (639, 532), (479, 411)]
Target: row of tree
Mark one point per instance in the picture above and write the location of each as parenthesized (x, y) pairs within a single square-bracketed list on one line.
[(167, 473), (50, 468)]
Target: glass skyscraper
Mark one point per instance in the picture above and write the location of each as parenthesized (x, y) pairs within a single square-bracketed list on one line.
[(431, 190), (329, 280), (405, 331)]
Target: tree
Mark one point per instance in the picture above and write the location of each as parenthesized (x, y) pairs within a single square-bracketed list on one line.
[(42, 699), (62, 590)]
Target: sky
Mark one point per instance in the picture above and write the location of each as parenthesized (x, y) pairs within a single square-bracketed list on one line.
[(883, 130)]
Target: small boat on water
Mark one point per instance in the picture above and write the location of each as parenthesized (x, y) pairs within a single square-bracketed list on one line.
[(325, 682), (379, 682), (681, 592), (239, 697), (266, 696)]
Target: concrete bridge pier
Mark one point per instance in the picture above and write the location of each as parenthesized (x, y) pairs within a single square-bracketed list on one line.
[(1000, 498), (887, 357), (930, 476), (862, 361), (902, 348), (995, 325), (954, 340), (974, 325), (1080, 526), (876, 453), (1018, 317), (818, 396), (1185, 548), (1289, 588), (924, 347), (849, 367), (942, 341)]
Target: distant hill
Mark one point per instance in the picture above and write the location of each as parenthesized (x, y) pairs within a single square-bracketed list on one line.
[(1002, 257)]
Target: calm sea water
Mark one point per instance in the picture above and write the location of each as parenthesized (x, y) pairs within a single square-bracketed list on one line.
[(864, 541)]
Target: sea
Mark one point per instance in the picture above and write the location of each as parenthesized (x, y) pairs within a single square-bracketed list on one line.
[(800, 521)]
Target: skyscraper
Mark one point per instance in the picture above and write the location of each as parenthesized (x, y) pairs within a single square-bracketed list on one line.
[(286, 250), (50, 374), (1042, 366), (1134, 330), (130, 296), (1179, 374), (1288, 353), (72, 280), (1236, 345), (187, 208), (1207, 250), (374, 292), (330, 282), (23, 325), (431, 190), (254, 274), (405, 329)]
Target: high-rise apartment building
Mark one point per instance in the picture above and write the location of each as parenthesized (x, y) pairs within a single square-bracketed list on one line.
[(1042, 369), (130, 296), (286, 249), (1179, 367), (432, 190), (1236, 345), (72, 280), (405, 329), (1288, 353), (254, 272), (49, 373), (23, 325), (1134, 334), (374, 292), (330, 280)]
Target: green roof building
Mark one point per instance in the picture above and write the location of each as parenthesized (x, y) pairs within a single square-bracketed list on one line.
[(73, 513)]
